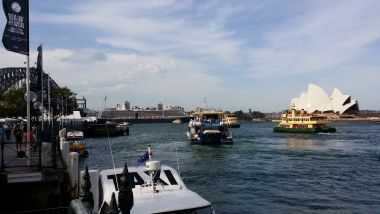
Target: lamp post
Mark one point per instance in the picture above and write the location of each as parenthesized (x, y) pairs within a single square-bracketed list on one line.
[(29, 96)]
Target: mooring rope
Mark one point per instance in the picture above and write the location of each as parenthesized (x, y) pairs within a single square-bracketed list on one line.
[(113, 161)]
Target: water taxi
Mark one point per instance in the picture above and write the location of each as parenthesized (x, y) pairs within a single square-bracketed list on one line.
[(209, 127), (232, 121), (298, 121), (156, 188), (77, 142)]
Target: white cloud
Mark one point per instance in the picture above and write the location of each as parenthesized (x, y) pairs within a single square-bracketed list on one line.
[(183, 51), (329, 35), (150, 77)]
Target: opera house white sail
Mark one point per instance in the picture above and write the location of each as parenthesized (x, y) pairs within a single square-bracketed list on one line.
[(317, 100)]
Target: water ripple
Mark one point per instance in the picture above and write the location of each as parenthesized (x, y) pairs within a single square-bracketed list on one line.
[(264, 172)]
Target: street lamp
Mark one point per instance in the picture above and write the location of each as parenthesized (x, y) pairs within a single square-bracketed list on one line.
[(29, 96), (32, 95)]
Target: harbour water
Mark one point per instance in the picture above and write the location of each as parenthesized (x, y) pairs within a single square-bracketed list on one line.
[(263, 172)]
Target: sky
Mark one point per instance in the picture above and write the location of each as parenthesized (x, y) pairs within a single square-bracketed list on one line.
[(239, 55)]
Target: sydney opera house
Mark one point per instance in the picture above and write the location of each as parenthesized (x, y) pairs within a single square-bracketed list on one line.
[(317, 100)]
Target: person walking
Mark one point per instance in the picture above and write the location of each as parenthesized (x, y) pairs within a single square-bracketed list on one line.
[(25, 138), (18, 136), (7, 130)]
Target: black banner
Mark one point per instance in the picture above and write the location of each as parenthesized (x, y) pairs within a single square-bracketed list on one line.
[(39, 58), (39, 67), (16, 32)]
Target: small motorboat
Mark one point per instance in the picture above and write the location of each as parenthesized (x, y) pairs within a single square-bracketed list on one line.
[(77, 142)]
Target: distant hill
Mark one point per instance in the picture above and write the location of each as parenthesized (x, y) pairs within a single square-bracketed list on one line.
[(368, 113)]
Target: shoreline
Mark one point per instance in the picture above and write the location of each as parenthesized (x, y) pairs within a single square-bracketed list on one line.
[(356, 120)]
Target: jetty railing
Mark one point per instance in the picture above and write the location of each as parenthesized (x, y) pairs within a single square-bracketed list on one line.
[(32, 156)]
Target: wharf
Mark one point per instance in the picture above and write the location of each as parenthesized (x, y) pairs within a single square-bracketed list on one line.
[(34, 184)]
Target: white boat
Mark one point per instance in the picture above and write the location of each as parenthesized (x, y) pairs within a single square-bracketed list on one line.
[(177, 121), (124, 126), (156, 189)]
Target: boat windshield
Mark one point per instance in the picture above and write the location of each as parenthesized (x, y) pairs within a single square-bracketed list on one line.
[(200, 210)]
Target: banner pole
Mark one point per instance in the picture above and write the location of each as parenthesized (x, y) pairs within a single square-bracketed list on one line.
[(42, 92), (27, 112)]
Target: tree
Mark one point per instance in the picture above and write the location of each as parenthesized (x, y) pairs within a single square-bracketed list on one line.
[(63, 100), (12, 103)]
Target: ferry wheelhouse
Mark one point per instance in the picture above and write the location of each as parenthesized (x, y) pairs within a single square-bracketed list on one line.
[(298, 121), (209, 127)]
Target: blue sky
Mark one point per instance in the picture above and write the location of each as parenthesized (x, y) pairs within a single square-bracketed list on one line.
[(238, 54)]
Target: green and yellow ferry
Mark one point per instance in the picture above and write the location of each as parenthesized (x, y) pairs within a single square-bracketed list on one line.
[(298, 121), (231, 121)]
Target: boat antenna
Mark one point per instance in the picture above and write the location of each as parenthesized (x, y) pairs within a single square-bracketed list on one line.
[(102, 107), (179, 172), (113, 161)]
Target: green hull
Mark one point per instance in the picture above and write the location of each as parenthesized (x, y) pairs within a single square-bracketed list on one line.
[(295, 130), (303, 130)]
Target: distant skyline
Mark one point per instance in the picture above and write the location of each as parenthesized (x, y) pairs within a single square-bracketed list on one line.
[(240, 55)]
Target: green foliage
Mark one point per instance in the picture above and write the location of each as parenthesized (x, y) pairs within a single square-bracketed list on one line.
[(63, 97), (12, 103), (248, 116), (257, 114)]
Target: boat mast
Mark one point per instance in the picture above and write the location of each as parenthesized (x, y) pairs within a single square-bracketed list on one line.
[(204, 103), (103, 107)]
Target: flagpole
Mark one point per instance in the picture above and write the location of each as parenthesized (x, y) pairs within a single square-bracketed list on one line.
[(42, 92), (149, 152), (27, 112), (16, 39), (48, 79)]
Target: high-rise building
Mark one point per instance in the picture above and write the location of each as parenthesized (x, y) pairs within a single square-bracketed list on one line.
[(127, 105)]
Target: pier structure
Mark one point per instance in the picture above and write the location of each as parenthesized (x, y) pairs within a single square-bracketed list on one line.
[(35, 183), (143, 116)]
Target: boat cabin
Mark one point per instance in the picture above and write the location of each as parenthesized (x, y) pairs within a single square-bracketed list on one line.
[(77, 142), (168, 194)]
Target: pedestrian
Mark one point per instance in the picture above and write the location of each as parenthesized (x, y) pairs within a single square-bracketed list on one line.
[(18, 136), (31, 138), (7, 130)]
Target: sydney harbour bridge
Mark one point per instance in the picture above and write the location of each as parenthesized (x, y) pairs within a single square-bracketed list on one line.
[(15, 78)]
